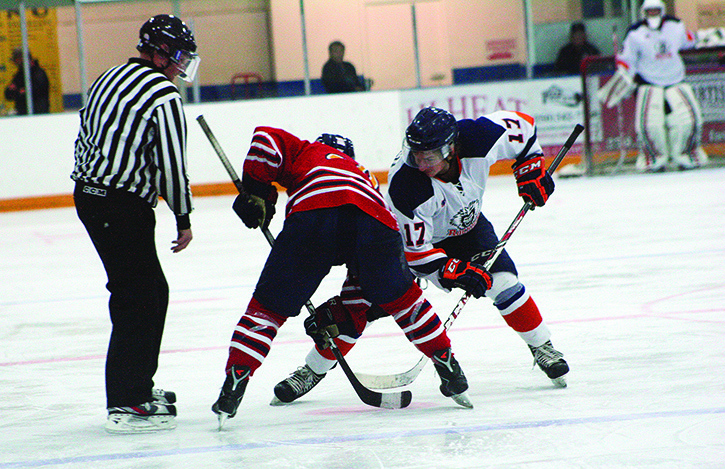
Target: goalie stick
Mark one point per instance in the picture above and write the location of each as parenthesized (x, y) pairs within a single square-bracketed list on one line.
[(407, 377), (393, 400)]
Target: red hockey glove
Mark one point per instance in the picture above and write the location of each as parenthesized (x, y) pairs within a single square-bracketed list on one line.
[(332, 317), (471, 277), (534, 181)]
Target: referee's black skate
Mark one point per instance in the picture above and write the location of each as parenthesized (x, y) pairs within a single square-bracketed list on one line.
[(551, 362), (232, 392), (300, 382), (142, 418), (163, 397), (453, 382)]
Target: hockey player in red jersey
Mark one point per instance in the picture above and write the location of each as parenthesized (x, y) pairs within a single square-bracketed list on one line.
[(436, 189), (335, 215)]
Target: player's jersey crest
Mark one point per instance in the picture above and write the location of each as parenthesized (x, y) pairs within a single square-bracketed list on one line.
[(464, 219)]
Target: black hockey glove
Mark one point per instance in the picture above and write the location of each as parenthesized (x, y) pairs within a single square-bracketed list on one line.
[(471, 277), (253, 210), (534, 181), (332, 319)]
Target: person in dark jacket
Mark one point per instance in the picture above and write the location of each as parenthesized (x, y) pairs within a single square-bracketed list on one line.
[(339, 76), (571, 55), (15, 91)]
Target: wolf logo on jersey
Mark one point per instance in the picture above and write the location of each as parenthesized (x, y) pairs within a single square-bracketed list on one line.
[(465, 219)]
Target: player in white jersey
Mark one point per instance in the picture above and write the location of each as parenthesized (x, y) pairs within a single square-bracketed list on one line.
[(436, 188), (668, 119)]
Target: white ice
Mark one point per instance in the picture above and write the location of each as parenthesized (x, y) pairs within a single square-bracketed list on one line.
[(628, 271)]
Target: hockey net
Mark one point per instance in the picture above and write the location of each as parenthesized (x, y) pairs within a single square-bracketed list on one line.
[(610, 142)]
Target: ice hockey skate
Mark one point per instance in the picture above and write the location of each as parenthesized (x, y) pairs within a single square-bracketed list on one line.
[(551, 362), (163, 397), (231, 394), (143, 418), (297, 385), (453, 382)]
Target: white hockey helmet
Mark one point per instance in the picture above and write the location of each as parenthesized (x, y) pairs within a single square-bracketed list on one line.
[(652, 12)]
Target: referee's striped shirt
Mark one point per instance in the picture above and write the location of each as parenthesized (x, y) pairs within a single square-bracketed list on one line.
[(133, 136)]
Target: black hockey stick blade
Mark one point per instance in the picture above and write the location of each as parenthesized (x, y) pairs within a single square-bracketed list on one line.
[(407, 377), (393, 400)]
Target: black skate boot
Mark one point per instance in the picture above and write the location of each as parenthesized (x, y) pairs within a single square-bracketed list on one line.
[(297, 385), (453, 381), (551, 362), (142, 418), (163, 397), (231, 394)]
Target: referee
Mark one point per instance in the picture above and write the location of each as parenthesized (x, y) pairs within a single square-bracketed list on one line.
[(131, 149)]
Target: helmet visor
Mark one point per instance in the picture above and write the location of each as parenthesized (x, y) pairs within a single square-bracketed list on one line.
[(187, 63), (427, 158)]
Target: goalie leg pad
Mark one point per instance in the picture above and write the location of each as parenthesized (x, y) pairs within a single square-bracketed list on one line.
[(650, 126), (684, 123)]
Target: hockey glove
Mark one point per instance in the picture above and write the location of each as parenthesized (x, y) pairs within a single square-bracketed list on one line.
[(254, 211), (332, 319), (471, 277), (534, 181)]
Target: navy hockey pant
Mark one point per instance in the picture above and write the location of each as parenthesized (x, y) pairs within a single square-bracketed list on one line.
[(313, 241), (481, 239)]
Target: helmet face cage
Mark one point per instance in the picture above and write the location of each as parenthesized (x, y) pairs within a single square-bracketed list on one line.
[(169, 36), (653, 21), (433, 131), (338, 142)]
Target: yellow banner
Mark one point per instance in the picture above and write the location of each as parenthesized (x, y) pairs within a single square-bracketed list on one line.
[(43, 44)]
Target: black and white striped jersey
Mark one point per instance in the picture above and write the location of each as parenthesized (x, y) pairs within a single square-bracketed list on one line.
[(133, 136)]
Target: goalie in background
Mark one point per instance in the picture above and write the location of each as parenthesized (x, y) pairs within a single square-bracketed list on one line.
[(668, 120)]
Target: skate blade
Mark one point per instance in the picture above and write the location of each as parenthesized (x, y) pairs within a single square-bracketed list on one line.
[(276, 402), (559, 382), (462, 400), (223, 416)]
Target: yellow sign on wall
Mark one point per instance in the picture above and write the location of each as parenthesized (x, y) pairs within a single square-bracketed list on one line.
[(43, 44)]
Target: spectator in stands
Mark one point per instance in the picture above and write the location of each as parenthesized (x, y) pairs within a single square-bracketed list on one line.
[(15, 91), (339, 76), (571, 55)]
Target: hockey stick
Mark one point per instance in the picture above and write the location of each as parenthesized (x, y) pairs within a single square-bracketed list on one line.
[(407, 377), (394, 400)]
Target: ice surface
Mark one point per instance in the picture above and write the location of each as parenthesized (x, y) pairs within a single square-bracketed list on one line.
[(628, 271)]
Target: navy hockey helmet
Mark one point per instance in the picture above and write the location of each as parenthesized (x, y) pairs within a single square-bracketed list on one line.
[(338, 142), (170, 31), (432, 128)]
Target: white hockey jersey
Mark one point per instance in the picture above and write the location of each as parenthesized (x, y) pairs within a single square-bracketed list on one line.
[(430, 210), (654, 54)]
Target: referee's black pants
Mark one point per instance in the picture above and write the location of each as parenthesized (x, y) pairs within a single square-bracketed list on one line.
[(121, 226)]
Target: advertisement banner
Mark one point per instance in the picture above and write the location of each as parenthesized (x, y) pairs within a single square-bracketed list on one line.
[(555, 104), (43, 45)]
